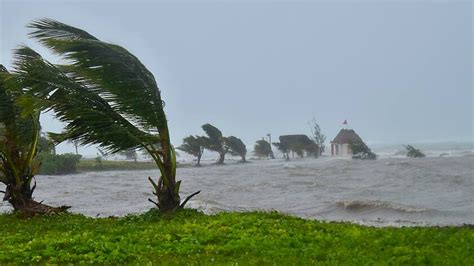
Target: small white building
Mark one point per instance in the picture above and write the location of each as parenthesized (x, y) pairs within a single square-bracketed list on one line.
[(341, 145)]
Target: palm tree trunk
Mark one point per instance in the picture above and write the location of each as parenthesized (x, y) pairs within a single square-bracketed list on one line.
[(221, 158), (20, 197), (198, 160)]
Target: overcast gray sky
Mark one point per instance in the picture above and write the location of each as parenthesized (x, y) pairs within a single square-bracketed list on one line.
[(398, 71)]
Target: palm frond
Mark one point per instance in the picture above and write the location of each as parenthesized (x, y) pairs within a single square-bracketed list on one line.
[(114, 71), (90, 118)]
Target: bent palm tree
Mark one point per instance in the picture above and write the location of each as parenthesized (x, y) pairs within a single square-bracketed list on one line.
[(236, 147), (105, 95), (215, 141), (19, 140), (262, 148), (193, 145)]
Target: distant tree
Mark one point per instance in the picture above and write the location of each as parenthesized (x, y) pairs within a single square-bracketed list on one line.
[(76, 145), (300, 144), (46, 145), (130, 154), (193, 145), (262, 148), (214, 141), (317, 136), (236, 147), (414, 153), (361, 151), (283, 148)]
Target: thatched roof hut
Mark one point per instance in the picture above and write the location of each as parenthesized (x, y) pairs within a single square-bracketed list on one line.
[(340, 146)]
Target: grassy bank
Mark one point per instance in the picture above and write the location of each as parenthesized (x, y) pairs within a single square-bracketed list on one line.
[(248, 238), (88, 165)]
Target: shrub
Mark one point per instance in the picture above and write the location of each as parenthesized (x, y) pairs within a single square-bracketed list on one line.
[(53, 164), (413, 152)]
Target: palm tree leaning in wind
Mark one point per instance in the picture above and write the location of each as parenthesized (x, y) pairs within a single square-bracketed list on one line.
[(19, 142), (105, 95)]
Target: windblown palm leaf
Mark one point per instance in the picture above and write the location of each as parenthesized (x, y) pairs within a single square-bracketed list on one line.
[(104, 94)]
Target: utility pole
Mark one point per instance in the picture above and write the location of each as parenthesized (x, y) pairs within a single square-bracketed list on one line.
[(270, 141)]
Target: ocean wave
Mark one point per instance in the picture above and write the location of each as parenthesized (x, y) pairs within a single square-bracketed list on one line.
[(376, 205)]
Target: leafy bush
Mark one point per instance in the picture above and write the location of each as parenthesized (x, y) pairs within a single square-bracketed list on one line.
[(54, 164), (414, 153), (362, 152)]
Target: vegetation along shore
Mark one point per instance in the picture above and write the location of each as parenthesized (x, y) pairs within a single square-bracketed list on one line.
[(190, 237)]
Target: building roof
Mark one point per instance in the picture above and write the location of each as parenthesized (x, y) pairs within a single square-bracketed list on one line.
[(347, 136)]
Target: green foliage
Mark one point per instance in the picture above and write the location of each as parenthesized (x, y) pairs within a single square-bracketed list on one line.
[(58, 164), (214, 141), (262, 148), (45, 145), (99, 164), (253, 238), (105, 95), (299, 144), (193, 145), (414, 153), (236, 147), (362, 151), (19, 137), (283, 148), (318, 137)]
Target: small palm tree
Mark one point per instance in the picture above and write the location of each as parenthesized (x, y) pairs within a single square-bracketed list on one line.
[(236, 147), (413, 152), (193, 145), (19, 143), (284, 149), (215, 141), (262, 148), (105, 95)]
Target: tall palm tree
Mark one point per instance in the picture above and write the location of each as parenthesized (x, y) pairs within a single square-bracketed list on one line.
[(236, 147), (215, 141), (19, 142), (105, 95), (193, 145)]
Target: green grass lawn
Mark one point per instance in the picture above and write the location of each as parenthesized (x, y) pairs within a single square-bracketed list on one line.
[(190, 237)]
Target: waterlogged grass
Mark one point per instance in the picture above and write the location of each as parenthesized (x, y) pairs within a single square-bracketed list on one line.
[(92, 165), (190, 237)]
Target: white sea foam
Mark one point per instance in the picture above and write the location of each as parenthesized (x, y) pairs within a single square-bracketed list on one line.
[(388, 191)]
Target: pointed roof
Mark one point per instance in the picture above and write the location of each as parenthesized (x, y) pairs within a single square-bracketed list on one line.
[(347, 136)]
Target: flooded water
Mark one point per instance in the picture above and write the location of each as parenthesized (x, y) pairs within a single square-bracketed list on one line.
[(387, 191)]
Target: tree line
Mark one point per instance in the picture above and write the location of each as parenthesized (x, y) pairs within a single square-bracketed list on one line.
[(215, 141)]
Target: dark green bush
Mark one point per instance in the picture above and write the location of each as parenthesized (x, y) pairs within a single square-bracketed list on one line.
[(53, 164)]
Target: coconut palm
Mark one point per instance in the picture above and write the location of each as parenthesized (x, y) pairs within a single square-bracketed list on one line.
[(193, 145), (19, 143), (262, 148), (236, 147), (215, 141), (105, 95)]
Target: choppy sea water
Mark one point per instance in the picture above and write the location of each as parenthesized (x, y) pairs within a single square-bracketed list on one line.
[(385, 192)]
